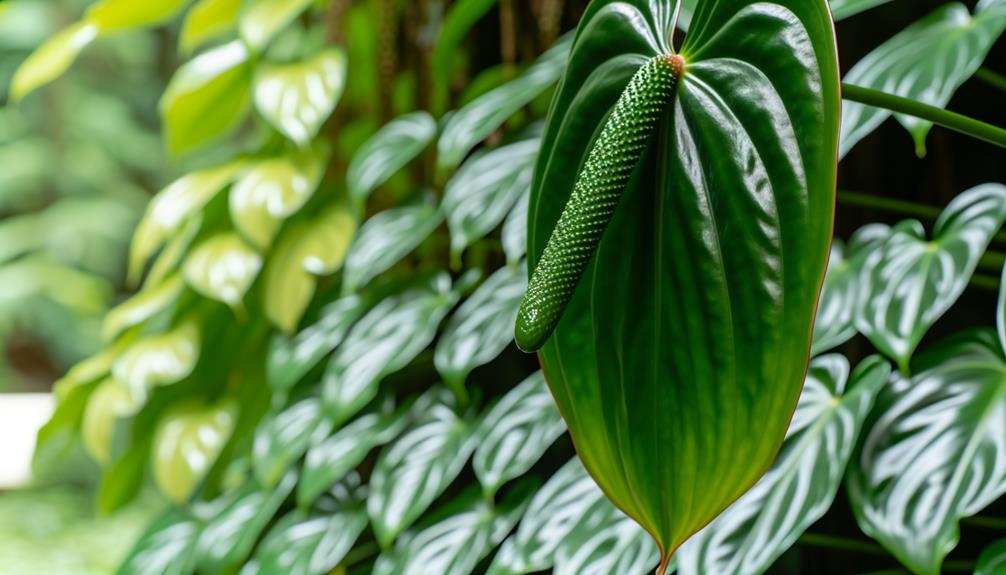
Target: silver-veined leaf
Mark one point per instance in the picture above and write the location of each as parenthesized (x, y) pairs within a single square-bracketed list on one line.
[(261, 20), (912, 281), (516, 433), (223, 267), (514, 235), (297, 98), (606, 541), (281, 439), (166, 548), (187, 441), (934, 451), (992, 561), (161, 359), (752, 533), (388, 151)]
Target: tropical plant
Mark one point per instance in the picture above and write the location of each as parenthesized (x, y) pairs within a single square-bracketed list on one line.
[(317, 371)]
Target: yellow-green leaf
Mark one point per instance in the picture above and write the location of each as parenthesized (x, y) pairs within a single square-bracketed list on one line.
[(110, 401), (52, 59), (160, 359), (297, 98), (172, 207), (207, 20), (272, 191), (223, 268), (207, 97), (186, 444), (262, 19), (141, 307), (120, 14)]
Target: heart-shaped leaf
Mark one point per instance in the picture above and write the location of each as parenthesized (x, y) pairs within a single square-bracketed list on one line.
[(415, 469), (223, 267), (386, 238), (208, 20), (141, 307), (283, 438), (290, 359), (330, 460), (159, 359), (926, 62), (261, 20), (515, 231), (933, 451), (272, 191), (311, 543), (481, 328), (753, 532), (606, 541), (207, 97), (306, 250), (384, 341), (166, 548), (472, 124), (456, 544), (841, 294), (187, 442), (479, 196), (231, 533), (556, 510), (388, 151), (992, 561), (721, 235), (516, 433), (52, 59), (913, 282), (297, 98)]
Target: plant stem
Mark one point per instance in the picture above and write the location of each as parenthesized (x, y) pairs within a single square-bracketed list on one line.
[(985, 282), (947, 119), (985, 522), (992, 78), (922, 211), (841, 543)]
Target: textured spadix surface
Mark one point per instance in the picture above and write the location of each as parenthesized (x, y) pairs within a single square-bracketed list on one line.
[(680, 358)]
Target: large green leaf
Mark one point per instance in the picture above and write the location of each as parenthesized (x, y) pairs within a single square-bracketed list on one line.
[(842, 292), (516, 433), (753, 532), (556, 510), (297, 98), (273, 190), (912, 281), (166, 548), (386, 238), (232, 531), (992, 560), (683, 351), (283, 438), (52, 59), (926, 62), (312, 543), (473, 123), (161, 359), (606, 541), (223, 267), (456, 544), (388, 151), (290, 359), (481, 328), (384, 341), (484, 189), (207, 97), (330, 460), (933, 451), (414, 470), (187, 442)]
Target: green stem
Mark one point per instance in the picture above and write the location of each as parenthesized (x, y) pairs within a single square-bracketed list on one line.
[(841, 543), (985, 522), (992, 78), (985, 282), (947, 119)]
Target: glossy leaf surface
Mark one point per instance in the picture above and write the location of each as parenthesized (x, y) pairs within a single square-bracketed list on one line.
[(722, 235), (417, 467), (297, 98), (385, 340), (926, 62), (515, 231), (386, 238), (207, 20), (223, 268), (52, 58), (913, 282), (482, 327), (555, 511), (166, 548), (455, 545), (843, 290), (388, 151), (159, 359), (186, 443), (753, 532), (141, 307), (992, 561), (479, 196), (283, 438), (606, 541), (261, 20), (516, 432), (933, 451)]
